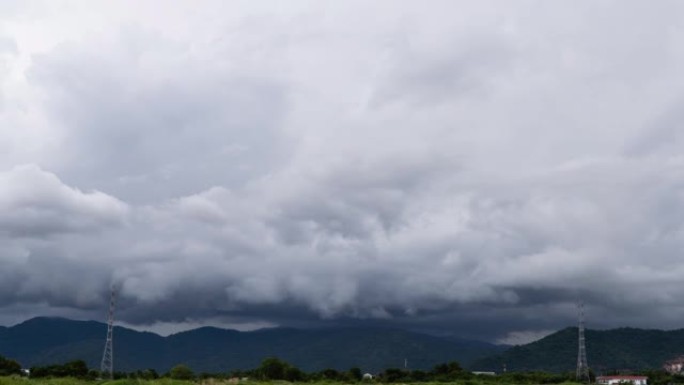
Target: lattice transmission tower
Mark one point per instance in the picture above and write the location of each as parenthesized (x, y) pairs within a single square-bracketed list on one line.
[(107, 366), (582, 366)]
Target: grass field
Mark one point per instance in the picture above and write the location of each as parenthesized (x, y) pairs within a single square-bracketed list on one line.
[(75, 381), (167, 381)]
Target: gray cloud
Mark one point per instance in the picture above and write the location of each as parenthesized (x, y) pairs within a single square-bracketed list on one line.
[(217, 126), (454, 168), (37, 204)]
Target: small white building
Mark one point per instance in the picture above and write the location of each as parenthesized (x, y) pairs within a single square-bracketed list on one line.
[(615, 380)]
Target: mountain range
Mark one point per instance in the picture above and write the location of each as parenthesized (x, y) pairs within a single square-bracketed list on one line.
[(623, 349), (43, 341)]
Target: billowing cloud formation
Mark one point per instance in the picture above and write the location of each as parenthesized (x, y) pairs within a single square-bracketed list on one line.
[(37, 204), (454, 167)]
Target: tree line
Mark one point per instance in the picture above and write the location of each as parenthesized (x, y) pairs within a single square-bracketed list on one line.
[(273, 368)]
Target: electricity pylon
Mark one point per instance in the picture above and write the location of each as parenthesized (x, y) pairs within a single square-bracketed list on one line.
[(582, 366), (107, 366)]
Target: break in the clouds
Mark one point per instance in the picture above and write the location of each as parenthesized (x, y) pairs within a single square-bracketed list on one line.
[(457, 167)]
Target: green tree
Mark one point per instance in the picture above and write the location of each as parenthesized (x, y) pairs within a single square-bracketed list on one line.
[(294, 374), (181, 372), (272, 369), (330, 374), (148, 374), (8, 367), (449, 371), (419, 376), (394, 375), (355, 374), (77, 369), (454, 367)]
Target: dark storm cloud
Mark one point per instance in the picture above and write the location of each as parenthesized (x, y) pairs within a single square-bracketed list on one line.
[(451, 167)]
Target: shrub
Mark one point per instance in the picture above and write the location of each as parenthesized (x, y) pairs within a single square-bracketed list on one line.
[(9, 367), (181, 372)]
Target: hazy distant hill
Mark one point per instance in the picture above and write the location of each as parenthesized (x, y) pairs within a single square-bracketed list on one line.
[(624, 348), (42, 341)]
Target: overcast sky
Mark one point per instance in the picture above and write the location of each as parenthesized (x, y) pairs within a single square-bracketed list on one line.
[(459, 167)]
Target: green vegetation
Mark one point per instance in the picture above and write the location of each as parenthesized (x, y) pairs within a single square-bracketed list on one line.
[(271, 370), (389, 376), (77, 381), (621, 349), (9, 367), (77, 369), (206, 381), (181, 372)]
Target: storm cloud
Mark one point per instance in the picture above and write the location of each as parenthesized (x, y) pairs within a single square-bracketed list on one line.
[(467, 168)]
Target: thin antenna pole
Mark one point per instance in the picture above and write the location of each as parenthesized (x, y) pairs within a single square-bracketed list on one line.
[(107, 366), (582, 366)]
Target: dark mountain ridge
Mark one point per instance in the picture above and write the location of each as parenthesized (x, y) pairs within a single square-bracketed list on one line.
[(624, 349), (42, 341)]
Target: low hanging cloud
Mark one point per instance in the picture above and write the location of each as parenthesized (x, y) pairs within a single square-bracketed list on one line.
[(36, 204), (451, 167), (254, 254)]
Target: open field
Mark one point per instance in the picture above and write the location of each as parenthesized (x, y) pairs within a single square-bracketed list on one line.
[(168, 381), (75, 381)]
